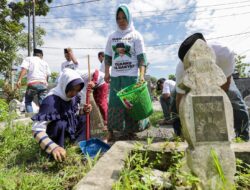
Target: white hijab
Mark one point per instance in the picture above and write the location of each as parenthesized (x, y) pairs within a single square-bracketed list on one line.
[(130, 26), (65, 78)]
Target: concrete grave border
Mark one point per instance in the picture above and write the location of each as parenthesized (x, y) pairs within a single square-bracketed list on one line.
[(106, 172)]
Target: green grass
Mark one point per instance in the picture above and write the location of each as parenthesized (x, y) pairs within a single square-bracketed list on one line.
[(155, 117), (25, 166)]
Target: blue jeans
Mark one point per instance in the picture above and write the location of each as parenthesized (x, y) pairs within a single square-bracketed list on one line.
[(240, 112), (166, 106), (32, 90)]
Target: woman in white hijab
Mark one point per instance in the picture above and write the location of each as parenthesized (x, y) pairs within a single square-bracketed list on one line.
[(58, 118), (125, 54)]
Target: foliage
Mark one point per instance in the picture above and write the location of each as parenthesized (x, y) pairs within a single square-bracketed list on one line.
[(1, 83), (153, 80), (4, 110), (242, 177), (136, 166), (240, 66), (218, 167), (171, 77), (155, 117), (12, 36), (54, 76), (10, 30), (10, 94), (138, 169), (21, 8), (238, 140), (180, 178), (40, 32), (25, 166)]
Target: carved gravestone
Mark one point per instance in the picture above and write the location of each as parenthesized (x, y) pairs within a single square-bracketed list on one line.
[(209, 118), (206, 117)]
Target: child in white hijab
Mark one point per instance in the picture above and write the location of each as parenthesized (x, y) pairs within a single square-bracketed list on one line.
[(58, 118)]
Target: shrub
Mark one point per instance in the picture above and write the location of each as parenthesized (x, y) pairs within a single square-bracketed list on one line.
[(4, 110)]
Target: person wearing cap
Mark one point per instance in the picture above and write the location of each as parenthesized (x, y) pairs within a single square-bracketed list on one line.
[(225, 59), (125, 54), (61, 116), (166, 87), (38, 72), (71, 61), (101, 59)]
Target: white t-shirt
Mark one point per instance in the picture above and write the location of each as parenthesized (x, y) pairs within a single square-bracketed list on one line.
[(38, 69), (102, 67), (225, 59), (84, 75), (124, 48), (69, 64), (168, 86)]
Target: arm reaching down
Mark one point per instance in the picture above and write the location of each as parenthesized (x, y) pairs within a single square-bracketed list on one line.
[(40, 135)]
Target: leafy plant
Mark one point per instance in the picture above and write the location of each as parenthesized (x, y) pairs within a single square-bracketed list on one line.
[(238, 140), (137, 165), (171, 77), (155, 117), (240, 66), (25, 166), (222, 182), (242, 177), (218, 166), (4, 110)]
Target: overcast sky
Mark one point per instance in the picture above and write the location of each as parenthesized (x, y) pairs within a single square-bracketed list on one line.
[(85, 25)]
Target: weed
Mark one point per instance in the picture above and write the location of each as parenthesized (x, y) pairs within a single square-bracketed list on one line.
[(222, 182), (242, 177), (155, 117), (25, 166), (138, 169)]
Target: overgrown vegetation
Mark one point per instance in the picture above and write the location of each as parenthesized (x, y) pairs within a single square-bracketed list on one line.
[(4, 110), (25, 166), (138, 171), (242, 177), (155, 117), (139, 165)]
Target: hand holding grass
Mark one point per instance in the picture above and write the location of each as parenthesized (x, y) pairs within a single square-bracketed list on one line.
[(59, 154)]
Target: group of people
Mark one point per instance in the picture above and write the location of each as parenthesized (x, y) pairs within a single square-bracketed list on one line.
[(62, 112), (173, 92)]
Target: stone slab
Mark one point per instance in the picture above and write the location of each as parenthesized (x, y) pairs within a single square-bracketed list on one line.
[(106, 172), (108, 168), (23, 121)]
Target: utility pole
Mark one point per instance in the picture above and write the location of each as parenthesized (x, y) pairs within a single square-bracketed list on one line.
[(28, 27), (34, 24)]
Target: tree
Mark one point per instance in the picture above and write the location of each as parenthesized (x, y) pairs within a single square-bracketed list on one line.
[(21, 9), (171, 77), (153, 80), (240, 66), (40, 32), (54, 76), (12, 37), (10, 30)]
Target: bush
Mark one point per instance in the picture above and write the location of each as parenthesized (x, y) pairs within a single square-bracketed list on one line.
[(4, 110)]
